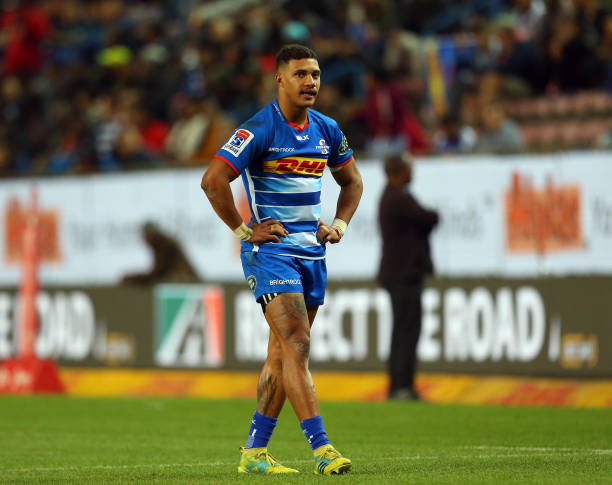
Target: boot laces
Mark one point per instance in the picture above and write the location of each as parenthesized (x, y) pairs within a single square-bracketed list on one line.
[(330, 454), (264, 455)]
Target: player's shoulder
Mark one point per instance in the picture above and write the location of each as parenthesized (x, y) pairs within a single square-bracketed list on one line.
[(257, 128), (259, 122), (318, 117), (254, 133)]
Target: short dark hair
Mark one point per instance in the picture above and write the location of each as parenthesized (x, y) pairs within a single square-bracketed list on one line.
[(294, 51), (396, 163), (150, 227)]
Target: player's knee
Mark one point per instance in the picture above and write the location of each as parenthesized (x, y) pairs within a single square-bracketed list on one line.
[(300, 342), (275, 367), (275, 357)]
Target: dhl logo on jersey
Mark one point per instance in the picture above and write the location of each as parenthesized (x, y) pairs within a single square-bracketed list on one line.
[(296, 165)]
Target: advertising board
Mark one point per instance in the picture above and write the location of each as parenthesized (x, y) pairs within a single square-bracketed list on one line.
[(500, 216), (544, 327)]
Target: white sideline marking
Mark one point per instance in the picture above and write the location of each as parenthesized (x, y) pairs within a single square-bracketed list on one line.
[(547, 450), (528, 452)]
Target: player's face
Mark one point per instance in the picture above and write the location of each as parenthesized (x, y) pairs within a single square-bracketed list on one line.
[(299, 81)]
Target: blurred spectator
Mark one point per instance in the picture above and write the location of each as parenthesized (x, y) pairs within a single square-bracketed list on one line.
[(469, 107), (570, 57), (487, 46), (131, 151), (401, 51), (528, 16), (154, 131), (87, 85), (5, 159), (498, 134), (604, 141), (453, 137), (519, 59), (197, 132), (385, 115), (25, 26), (74, 147), (169, 260), (331, 102), (107, 130), (604, 52), (405, 227)]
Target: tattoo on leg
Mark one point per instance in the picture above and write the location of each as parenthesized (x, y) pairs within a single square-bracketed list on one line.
[(266, 392), (303, 348), (294, 309), (298, 301)]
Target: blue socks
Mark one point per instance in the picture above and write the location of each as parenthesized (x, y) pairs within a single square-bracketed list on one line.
[(263, 426), (261, 431), (314, 431)]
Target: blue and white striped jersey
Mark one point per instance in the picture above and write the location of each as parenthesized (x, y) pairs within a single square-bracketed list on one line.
[(281, 167)]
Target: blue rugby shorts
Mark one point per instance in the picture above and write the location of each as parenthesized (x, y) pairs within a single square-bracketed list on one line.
[(270, 273)]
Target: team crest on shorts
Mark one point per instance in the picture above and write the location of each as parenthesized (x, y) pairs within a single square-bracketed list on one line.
[(252, 282)]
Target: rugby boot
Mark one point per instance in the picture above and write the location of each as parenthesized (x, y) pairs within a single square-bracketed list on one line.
[(329, 462), (258, 460)]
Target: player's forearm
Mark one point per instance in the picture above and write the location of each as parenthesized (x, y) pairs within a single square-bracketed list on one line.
[(348, 199), (220, 196)]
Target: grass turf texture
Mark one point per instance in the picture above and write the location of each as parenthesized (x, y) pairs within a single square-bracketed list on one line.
[(47, 439)]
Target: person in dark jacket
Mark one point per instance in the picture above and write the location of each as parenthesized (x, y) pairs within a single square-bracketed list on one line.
[(170, 264), (405, 226)]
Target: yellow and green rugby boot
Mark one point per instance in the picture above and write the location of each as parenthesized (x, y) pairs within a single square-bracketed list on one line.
[(258, 460), (329, 462)]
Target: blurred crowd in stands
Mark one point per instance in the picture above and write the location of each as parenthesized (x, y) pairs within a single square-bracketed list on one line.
[(101, 85)]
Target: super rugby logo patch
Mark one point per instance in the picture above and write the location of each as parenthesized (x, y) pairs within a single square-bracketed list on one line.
[(238, 142)]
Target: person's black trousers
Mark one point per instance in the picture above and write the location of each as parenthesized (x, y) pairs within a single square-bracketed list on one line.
[(407, 313)]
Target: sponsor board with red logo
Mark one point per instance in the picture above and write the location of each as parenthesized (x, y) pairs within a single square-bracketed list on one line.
[(500, 216)]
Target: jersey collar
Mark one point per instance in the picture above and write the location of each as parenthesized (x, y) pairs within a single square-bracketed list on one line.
[(293, 125)]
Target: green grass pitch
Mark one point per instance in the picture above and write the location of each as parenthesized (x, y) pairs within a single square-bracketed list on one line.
[(65, 440)]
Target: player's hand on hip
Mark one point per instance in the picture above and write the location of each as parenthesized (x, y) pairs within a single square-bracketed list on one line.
[(327, 234), (267, 231)]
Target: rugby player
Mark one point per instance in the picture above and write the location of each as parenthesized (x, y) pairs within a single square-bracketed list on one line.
[(281, 153)]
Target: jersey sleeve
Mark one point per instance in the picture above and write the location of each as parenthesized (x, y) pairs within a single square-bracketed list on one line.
[(340, 153), (244, 146)]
